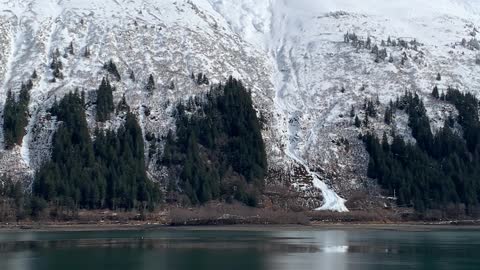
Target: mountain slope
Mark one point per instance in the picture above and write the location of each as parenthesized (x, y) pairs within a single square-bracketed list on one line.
[(304, 78), (313, 65), (168, 39)]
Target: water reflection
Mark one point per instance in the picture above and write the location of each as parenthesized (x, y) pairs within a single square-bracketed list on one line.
[(172, 250)]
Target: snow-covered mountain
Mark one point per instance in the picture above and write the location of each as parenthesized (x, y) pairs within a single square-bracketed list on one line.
[(304, 77)]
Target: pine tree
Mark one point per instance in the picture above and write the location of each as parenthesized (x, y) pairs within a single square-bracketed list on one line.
[(70, 49), (111, 67), (390, 59), (435, 93), (439, 77), (368, 44), (87, 52), (56, 65), (123, 105), (358, 123), (370, 108), (150, 87), (388, 116), (29, 85), (200, 78), (57, 73), (366, 121), (56, 54), (205, 80), (104, 101)]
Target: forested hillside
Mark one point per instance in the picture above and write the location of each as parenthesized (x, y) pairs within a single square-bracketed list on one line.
[(107, 172), (439, 170), (218, 150), (216, 153)]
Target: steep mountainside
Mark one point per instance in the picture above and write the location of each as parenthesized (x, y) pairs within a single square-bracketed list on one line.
[(304, 78), (318, 77), (168, 39)]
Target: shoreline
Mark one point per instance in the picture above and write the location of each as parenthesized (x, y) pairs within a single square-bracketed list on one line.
[(77, 227)]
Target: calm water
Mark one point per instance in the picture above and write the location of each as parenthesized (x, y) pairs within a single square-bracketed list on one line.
[(276, 250)]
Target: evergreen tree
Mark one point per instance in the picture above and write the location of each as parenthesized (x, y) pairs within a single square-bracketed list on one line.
[(358, 123), (370, 109), (71, 49), (390, 59), (87, 52), (56, 65), (435, 93), (199, 78), (56, 54), (150, 87), (388, 116), (366, 121), (111, 67), (368, 44), (104, 101), (123, 105)]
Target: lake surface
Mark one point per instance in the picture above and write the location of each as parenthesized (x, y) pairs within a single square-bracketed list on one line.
[(250, 250)]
